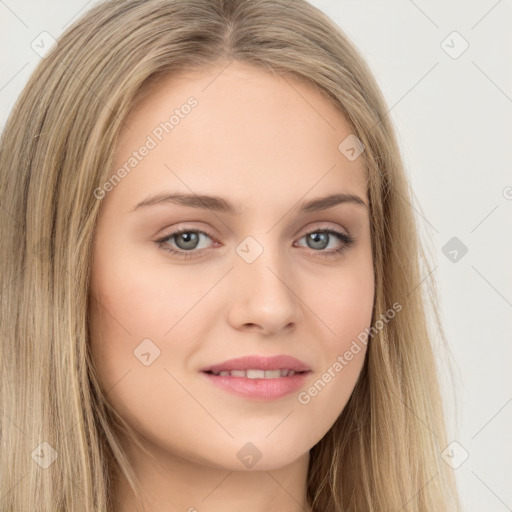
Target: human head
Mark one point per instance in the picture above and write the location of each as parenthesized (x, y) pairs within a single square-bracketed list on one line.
[(77, 103), (253, 285)]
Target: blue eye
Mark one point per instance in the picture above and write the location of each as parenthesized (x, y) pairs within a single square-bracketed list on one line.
[(322, 238), (190, 238)]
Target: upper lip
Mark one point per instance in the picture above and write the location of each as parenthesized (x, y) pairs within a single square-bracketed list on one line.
[(255, 362)]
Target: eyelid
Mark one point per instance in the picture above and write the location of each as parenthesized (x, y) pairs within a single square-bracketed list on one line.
[(323, 226), (304, 231)]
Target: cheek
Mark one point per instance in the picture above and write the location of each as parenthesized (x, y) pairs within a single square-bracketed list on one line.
[(344, 309), (342, 301), (142, 299), (140, 302)]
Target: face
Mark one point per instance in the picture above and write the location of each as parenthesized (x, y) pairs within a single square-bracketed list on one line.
[(253, 272)]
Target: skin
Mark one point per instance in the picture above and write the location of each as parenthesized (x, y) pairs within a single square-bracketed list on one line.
[(267, 144)]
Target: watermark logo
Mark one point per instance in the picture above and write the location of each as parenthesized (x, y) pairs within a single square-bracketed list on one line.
[(146, 352), (249, 249), (44, 455), (43, 44), (351, 147), (454, 455), (454, 249), (249, 455), (454, 45)]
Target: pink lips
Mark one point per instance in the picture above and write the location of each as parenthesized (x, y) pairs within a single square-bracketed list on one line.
[(259, 388), (260, 362)]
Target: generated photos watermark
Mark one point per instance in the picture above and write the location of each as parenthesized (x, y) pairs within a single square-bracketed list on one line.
[(304, 397), (156, 136)]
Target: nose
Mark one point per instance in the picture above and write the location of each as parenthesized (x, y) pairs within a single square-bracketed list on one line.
[(264, 297)]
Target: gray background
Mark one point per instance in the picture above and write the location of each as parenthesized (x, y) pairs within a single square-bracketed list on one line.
[(453, 116)]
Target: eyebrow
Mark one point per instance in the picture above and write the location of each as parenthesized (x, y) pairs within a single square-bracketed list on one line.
[(220, 204)]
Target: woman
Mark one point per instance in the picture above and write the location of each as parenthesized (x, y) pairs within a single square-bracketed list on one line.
[(213, 273)]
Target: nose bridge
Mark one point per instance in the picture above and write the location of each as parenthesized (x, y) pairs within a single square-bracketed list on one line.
[(265, 293), (260, 258)]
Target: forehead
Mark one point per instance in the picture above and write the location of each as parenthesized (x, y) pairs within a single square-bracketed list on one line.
[(249, 133)]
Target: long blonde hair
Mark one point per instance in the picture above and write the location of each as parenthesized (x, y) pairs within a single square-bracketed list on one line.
[(384, 451)]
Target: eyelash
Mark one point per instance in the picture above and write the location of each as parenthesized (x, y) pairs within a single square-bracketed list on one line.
[(348, 241)]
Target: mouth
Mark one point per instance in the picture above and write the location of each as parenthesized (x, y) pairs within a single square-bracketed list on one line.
[(258, 377), (253, 365)]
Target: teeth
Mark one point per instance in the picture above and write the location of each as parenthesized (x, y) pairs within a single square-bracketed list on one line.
[(256, 374)]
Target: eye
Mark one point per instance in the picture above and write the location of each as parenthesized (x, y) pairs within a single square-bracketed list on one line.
[(321, 238), (187, 242)]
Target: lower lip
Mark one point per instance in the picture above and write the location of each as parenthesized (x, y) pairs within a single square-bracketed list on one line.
[(260, 389)]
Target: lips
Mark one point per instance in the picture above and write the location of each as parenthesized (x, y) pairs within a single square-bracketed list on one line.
[(258, 377), (253, 366)]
